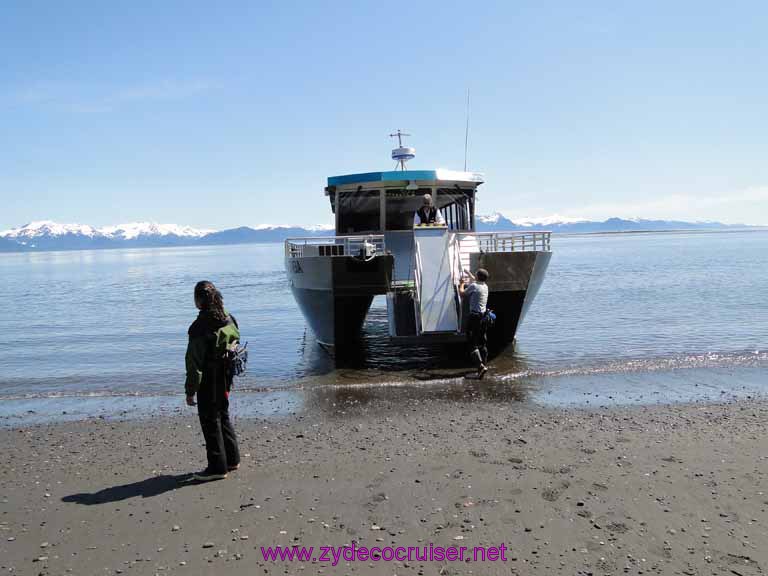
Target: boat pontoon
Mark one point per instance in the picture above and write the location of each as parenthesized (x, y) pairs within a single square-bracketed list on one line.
[(377, 250)]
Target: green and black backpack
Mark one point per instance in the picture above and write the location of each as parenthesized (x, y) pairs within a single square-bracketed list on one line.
[(228, 348)]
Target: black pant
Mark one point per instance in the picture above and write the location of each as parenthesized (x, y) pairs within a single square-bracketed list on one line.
[(477, 338), (213, 410)]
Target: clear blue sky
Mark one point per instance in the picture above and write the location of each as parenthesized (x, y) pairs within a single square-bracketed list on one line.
[(234, 113)]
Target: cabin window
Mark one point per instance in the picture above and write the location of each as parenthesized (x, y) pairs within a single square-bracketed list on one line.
[(359, 212), (454, 204), (402, 205)]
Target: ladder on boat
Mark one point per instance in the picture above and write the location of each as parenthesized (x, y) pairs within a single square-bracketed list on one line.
[(436, 265), (431, 305)]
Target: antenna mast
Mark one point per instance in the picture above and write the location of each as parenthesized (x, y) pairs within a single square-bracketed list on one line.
[(466, 134), (402, 154)]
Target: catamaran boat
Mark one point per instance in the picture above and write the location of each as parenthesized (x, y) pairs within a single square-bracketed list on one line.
[(377, 251)]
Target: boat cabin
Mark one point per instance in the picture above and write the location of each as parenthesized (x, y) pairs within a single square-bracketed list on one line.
[(385, 203), (382, 202)]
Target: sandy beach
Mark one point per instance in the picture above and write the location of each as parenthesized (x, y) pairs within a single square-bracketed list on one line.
[(676, 489)]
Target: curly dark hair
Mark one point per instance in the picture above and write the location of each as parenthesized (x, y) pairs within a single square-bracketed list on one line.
[(210, 299)]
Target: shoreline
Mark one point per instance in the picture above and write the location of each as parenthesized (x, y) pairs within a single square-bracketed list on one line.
[(588, 390), (648, 489)]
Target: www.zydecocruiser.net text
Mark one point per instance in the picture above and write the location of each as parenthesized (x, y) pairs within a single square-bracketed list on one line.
[(354, 553)]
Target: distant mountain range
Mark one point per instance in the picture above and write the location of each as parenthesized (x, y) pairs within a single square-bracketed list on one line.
[(498, 221), (48, 235)]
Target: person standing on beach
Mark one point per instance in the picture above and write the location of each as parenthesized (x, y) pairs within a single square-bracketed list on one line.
[(477, 292), (208, 377)]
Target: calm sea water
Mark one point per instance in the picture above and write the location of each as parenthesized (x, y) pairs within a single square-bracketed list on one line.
[(620, 318)]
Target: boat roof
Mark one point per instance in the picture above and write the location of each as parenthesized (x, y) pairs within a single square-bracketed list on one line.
[(400, 175)]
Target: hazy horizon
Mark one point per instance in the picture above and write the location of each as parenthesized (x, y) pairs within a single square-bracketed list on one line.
[(133, 227)]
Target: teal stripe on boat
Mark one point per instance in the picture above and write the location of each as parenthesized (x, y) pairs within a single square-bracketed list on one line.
[(396, 175)]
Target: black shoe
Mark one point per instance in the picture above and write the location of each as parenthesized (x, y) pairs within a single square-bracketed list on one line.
[(207, 475), (233, 468), (481, 371)]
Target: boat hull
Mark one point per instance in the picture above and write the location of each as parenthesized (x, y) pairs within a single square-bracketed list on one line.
[(333, 319), (335, 294), (514, 281)]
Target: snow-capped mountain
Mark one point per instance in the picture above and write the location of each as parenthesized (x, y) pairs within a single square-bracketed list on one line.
[(315, 228), (136, 229), (497, 221), (48, 228), (49, 235), (44, 228), (497, 218)]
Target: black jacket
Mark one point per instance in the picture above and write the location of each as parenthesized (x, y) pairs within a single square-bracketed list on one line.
[(427, 214), (202, 360)]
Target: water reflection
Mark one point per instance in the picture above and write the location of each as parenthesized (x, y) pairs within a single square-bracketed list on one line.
[(375, 351), (313, 358), (345, 400), (380, 373)]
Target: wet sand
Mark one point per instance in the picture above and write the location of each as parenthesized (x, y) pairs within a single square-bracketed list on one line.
[(679, 489)]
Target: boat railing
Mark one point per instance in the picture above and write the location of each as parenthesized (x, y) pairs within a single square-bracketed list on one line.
[(334, 245), (457, 274), (417, 287), (533, 241)]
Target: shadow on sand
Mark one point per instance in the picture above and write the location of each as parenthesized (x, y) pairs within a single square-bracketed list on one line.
[(148, 488)]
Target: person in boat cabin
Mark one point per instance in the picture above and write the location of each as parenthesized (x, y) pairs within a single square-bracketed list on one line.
[(477, 292), (428, 213)]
